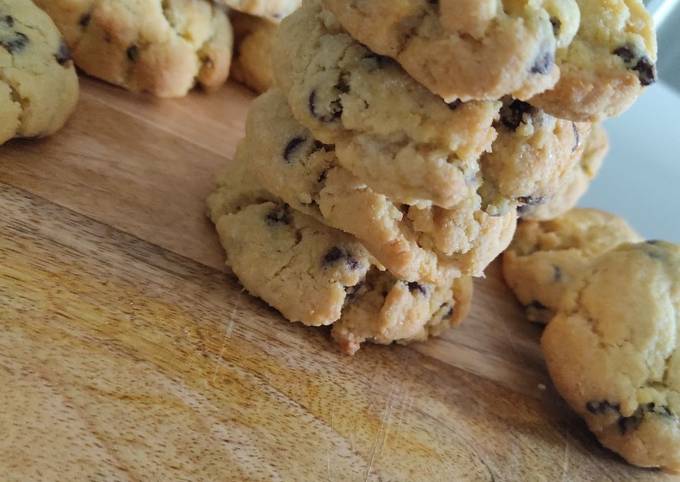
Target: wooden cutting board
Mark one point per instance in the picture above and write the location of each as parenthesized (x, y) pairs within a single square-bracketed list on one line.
[(127, 353)]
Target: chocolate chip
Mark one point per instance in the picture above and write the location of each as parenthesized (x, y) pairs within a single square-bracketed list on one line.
[(601, 407), (414, 287), (543, 63), (320, 146), (343, 83), (292, 146), (537, 305), (133, 53), (323, 176), (279, 215), (577, 137), (653, 242), (524, 209), (626, 54), (7, 20), (641, 64), (531, 200), (512, 115), (455, 104), (628, 424), (63, 55), (556, 25), (335, 109), (646, 71), (449, 311), (85, 20), (557, 274), (15, 43), (337, 254)]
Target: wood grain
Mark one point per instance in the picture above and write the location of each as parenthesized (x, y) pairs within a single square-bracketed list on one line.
[(127, 353)]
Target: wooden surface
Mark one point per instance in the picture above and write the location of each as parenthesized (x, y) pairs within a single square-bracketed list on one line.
[(127, 353)]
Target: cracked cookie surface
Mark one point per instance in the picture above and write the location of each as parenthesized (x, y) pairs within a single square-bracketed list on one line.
[(576, 182), (612, 351), (297, 265), (318, 275), (385, 310), (546, 257), (414, 244), (38, 82), (161, 47), (253, 38), (466, 49), (388, 130), (607, 66)]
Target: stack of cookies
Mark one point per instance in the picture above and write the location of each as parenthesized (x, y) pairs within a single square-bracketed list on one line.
[(402, 140)]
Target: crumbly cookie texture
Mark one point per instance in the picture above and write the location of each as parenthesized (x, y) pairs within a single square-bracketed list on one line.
[(577, 181), (384, 310), (318, 275), (415, 244), (161, 47), (612, 352), (467, 49), (293, 262), (274, 10), (531, 158), (297, 265), (38, 83), (253, 38), (388, 130), (608, 64), (546, 257)]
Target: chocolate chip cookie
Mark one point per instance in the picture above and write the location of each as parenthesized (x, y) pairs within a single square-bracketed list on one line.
[(387, 129), (318, 275), (38, 82), (576, 182), (253, 37), (466, 49), (160, 47), (384, 310), (532, 157), (415, 244), (294, 263), (607, 66), (274, 10), (612, 352), (546, 257)]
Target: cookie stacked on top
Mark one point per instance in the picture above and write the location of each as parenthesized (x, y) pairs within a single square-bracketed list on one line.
[(391, 159)]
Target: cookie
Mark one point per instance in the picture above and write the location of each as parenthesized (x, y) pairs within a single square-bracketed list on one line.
[(466, 49), (274, 10), (607, 66), (161, 47), (385, 310), (387, 129), (531, 158), (253, 37), (415, 244), (576, 183), (546, 257), (318, 275), (297, 265), (38, 83), (612, 352)]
